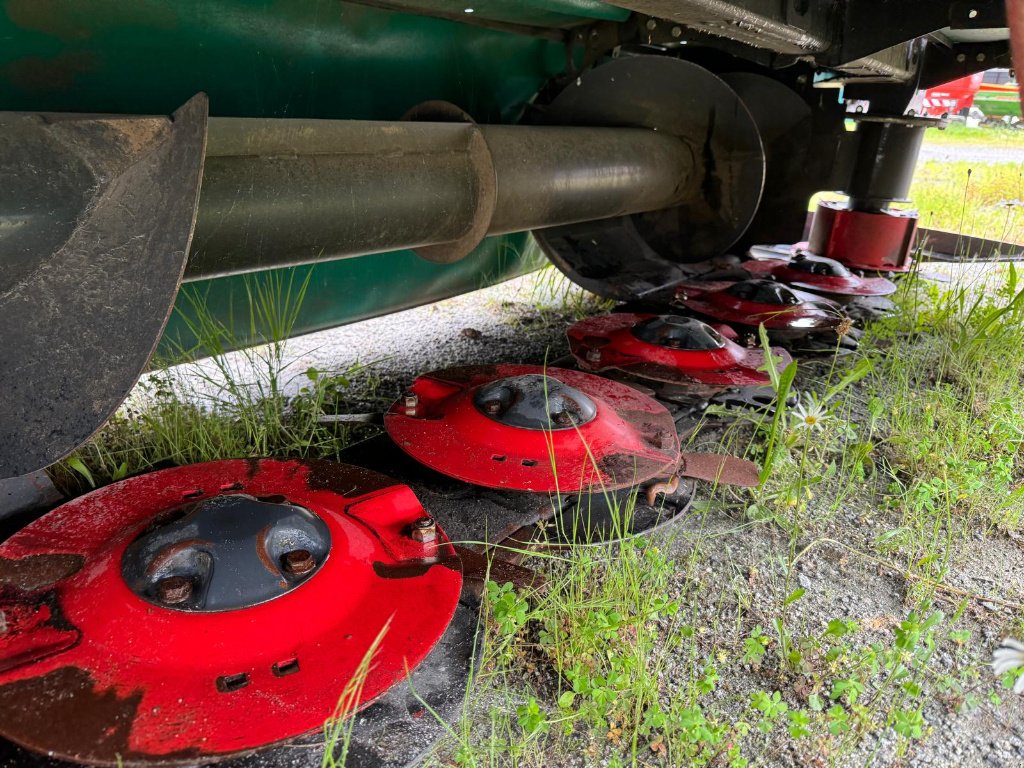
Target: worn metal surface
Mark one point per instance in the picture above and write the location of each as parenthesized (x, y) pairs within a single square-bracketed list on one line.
[(95, 222), (26, 494), (534, 401), (226, 552), (630, 440), (879, 241), (286, 192), (630, 256), (91, 672), (938, 245), (761, 302), (819, 274), (718, 469), (549, 176), (886, 157), (668, 348), (605, 518), (799, 29), (799, 146)]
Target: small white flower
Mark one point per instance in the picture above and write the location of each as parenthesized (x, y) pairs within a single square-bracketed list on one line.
[(1007, 657), (809, 414)]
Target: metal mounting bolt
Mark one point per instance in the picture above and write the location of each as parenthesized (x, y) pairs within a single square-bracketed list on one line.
[(594, 355), (492, 407), (677, 31), (980, 57), (564, 418), (652, 25), (961, 57), (174, 589), (424, 530), (298, 561), (411, 402)]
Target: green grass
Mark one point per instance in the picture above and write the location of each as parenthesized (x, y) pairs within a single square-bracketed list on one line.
[(981, 199), (230, 405), (977, 199), (988, 135)]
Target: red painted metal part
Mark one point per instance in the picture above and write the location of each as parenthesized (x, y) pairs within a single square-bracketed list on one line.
[(608, 342), (91, 672), (714, 300), (840, 285), (879, 242), (631, 440)]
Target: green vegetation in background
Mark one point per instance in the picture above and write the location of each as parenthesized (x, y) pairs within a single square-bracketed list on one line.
[(957, 133), (980, 199)]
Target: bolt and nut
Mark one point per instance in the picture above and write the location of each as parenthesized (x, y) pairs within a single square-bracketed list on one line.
[(411, 402), (424, 530), (593, 355), (174, 590), (298, 561), (492, 407)]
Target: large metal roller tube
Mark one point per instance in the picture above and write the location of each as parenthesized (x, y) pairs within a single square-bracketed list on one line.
[(285, 192), (553, 176)]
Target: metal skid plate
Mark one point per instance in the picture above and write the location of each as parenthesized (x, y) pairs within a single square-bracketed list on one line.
[(606, 518), (530, 428), (819, 274), (97, 214), (120, 648), (761, 302), (629, 257), (669, 349)]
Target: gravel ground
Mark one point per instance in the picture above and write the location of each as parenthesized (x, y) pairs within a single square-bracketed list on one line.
[(971, 153)]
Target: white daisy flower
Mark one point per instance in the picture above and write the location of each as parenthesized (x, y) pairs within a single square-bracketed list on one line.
[(1007, 657), (809, 414)]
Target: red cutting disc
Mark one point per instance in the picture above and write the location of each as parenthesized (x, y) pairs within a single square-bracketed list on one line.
[(295, 569), (756, 302), (668, 348), (529, 428), (820, 274)]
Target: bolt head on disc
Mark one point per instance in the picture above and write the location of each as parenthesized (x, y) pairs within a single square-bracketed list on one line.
[(761, 302), (668, 348), (820, 274), (127, 642), (613, 436)]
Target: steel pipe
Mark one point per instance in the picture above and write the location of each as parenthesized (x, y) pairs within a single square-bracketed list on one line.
[(286, 192), (553, 176)]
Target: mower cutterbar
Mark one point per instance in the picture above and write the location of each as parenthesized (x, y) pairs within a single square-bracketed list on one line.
[(671, 349)]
